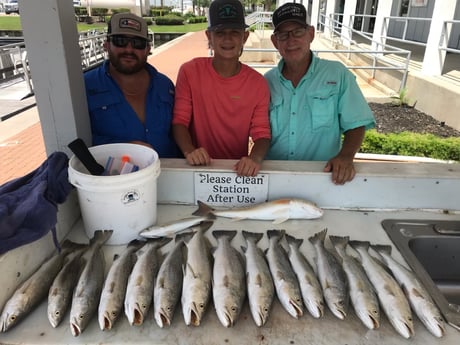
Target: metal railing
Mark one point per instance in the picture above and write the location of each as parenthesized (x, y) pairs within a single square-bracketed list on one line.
[(376, 56), (14, 63)]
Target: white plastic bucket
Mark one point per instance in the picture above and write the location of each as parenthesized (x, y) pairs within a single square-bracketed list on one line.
[(124, 203)]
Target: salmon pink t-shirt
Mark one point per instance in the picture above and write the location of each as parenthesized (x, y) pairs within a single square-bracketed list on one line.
[(222, 113)]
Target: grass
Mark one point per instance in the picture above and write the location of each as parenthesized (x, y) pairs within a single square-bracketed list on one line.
[(14, 23)]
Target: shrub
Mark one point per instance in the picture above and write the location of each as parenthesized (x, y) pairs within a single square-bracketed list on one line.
[(200, 19), (120, 10), (411, 144), (99, 12), (169, 20), (80, 11)]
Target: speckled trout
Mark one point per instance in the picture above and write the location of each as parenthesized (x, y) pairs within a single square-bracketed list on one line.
[(331, 276), (310, 288), (362, 295), (114, 289), (60, 292), (391, 297), (277, 210), (259, 282), (228, 279), (196, 286), (139, 290), (168, 284), (284, 278), (87, 293), (419, 298)]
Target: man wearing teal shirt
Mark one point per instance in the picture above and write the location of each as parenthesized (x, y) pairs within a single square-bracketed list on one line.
[(313, 101)]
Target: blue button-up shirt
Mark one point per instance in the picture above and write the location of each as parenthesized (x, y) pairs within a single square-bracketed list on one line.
[(307, 121), (113, 120)]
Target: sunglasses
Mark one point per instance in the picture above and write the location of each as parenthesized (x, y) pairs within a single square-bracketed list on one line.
[(122, 41)]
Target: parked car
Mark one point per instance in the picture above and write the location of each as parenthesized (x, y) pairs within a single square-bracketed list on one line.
[(11, 6)]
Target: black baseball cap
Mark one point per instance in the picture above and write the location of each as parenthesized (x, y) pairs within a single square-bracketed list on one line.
[(226, 14), (289, 12)]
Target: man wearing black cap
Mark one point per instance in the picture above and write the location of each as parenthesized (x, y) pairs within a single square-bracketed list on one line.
[(221, 102), (129, 101), (313, 101)]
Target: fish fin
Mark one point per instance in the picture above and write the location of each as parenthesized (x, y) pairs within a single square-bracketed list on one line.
[(417, 293), (227, 233), (226, 281), (318, 237), (359, 245), (280, 220), (255, 236), (258, 280), (388, 289), (381, 248), (205, 225), (280, 275), (291, 240), (161, 283), (276, 233), (203, 209), (339, 241)]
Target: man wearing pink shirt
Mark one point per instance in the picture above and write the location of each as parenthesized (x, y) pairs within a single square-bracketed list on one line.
[(220, 103)]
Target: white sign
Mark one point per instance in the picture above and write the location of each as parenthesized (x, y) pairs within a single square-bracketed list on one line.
[(229, 189)]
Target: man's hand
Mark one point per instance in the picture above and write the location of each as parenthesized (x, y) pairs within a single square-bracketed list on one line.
[(342, 169), (246, 166)]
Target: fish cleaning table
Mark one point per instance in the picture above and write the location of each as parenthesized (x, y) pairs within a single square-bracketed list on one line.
[(345, 214)]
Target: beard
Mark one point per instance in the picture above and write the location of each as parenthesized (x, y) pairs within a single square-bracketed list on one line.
[(121, 67)]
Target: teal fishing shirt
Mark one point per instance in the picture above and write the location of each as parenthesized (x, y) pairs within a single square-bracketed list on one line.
[(307, 121)]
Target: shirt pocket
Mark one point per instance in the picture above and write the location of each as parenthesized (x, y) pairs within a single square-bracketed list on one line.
[(101, 102), (323, 109)]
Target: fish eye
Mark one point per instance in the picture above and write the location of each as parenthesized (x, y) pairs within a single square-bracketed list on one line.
[(375, 312), (340, 303), (57, 313), (201, 305), (234, 309), (266, 309), (114, 313), (13, 318), (81, 316)]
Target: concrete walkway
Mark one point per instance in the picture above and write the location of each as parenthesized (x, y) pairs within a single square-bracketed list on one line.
[(21, 140)]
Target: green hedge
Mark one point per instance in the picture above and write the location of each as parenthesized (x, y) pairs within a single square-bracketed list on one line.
[(411, 144), (169, 20), (120, 10), (100, 12), (196, 19)]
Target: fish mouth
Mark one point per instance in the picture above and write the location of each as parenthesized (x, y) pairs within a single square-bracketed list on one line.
[(106, 322), (138, 317), (194, 319), (226, 319), (75, 329), (164, 319), (298, 312), (405, 329)]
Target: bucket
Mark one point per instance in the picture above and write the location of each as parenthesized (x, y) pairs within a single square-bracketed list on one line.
[(124, 203)]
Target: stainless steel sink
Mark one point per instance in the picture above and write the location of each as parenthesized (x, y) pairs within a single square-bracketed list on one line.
[(432, 249)]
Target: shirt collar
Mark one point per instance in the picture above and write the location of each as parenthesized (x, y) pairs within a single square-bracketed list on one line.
[(311, 68)]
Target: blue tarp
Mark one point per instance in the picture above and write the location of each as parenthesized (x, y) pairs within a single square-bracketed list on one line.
[(28, 204)]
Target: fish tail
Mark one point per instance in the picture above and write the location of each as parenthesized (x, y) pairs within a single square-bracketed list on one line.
[(228, 233), (184, 236), (359, 245), (318, 237), (136, 243), (161, 241), (203, 209), (339, 241), (255, 236), (381, 248), (205, 225), (100, 237), (291, 240), (276, 233)]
